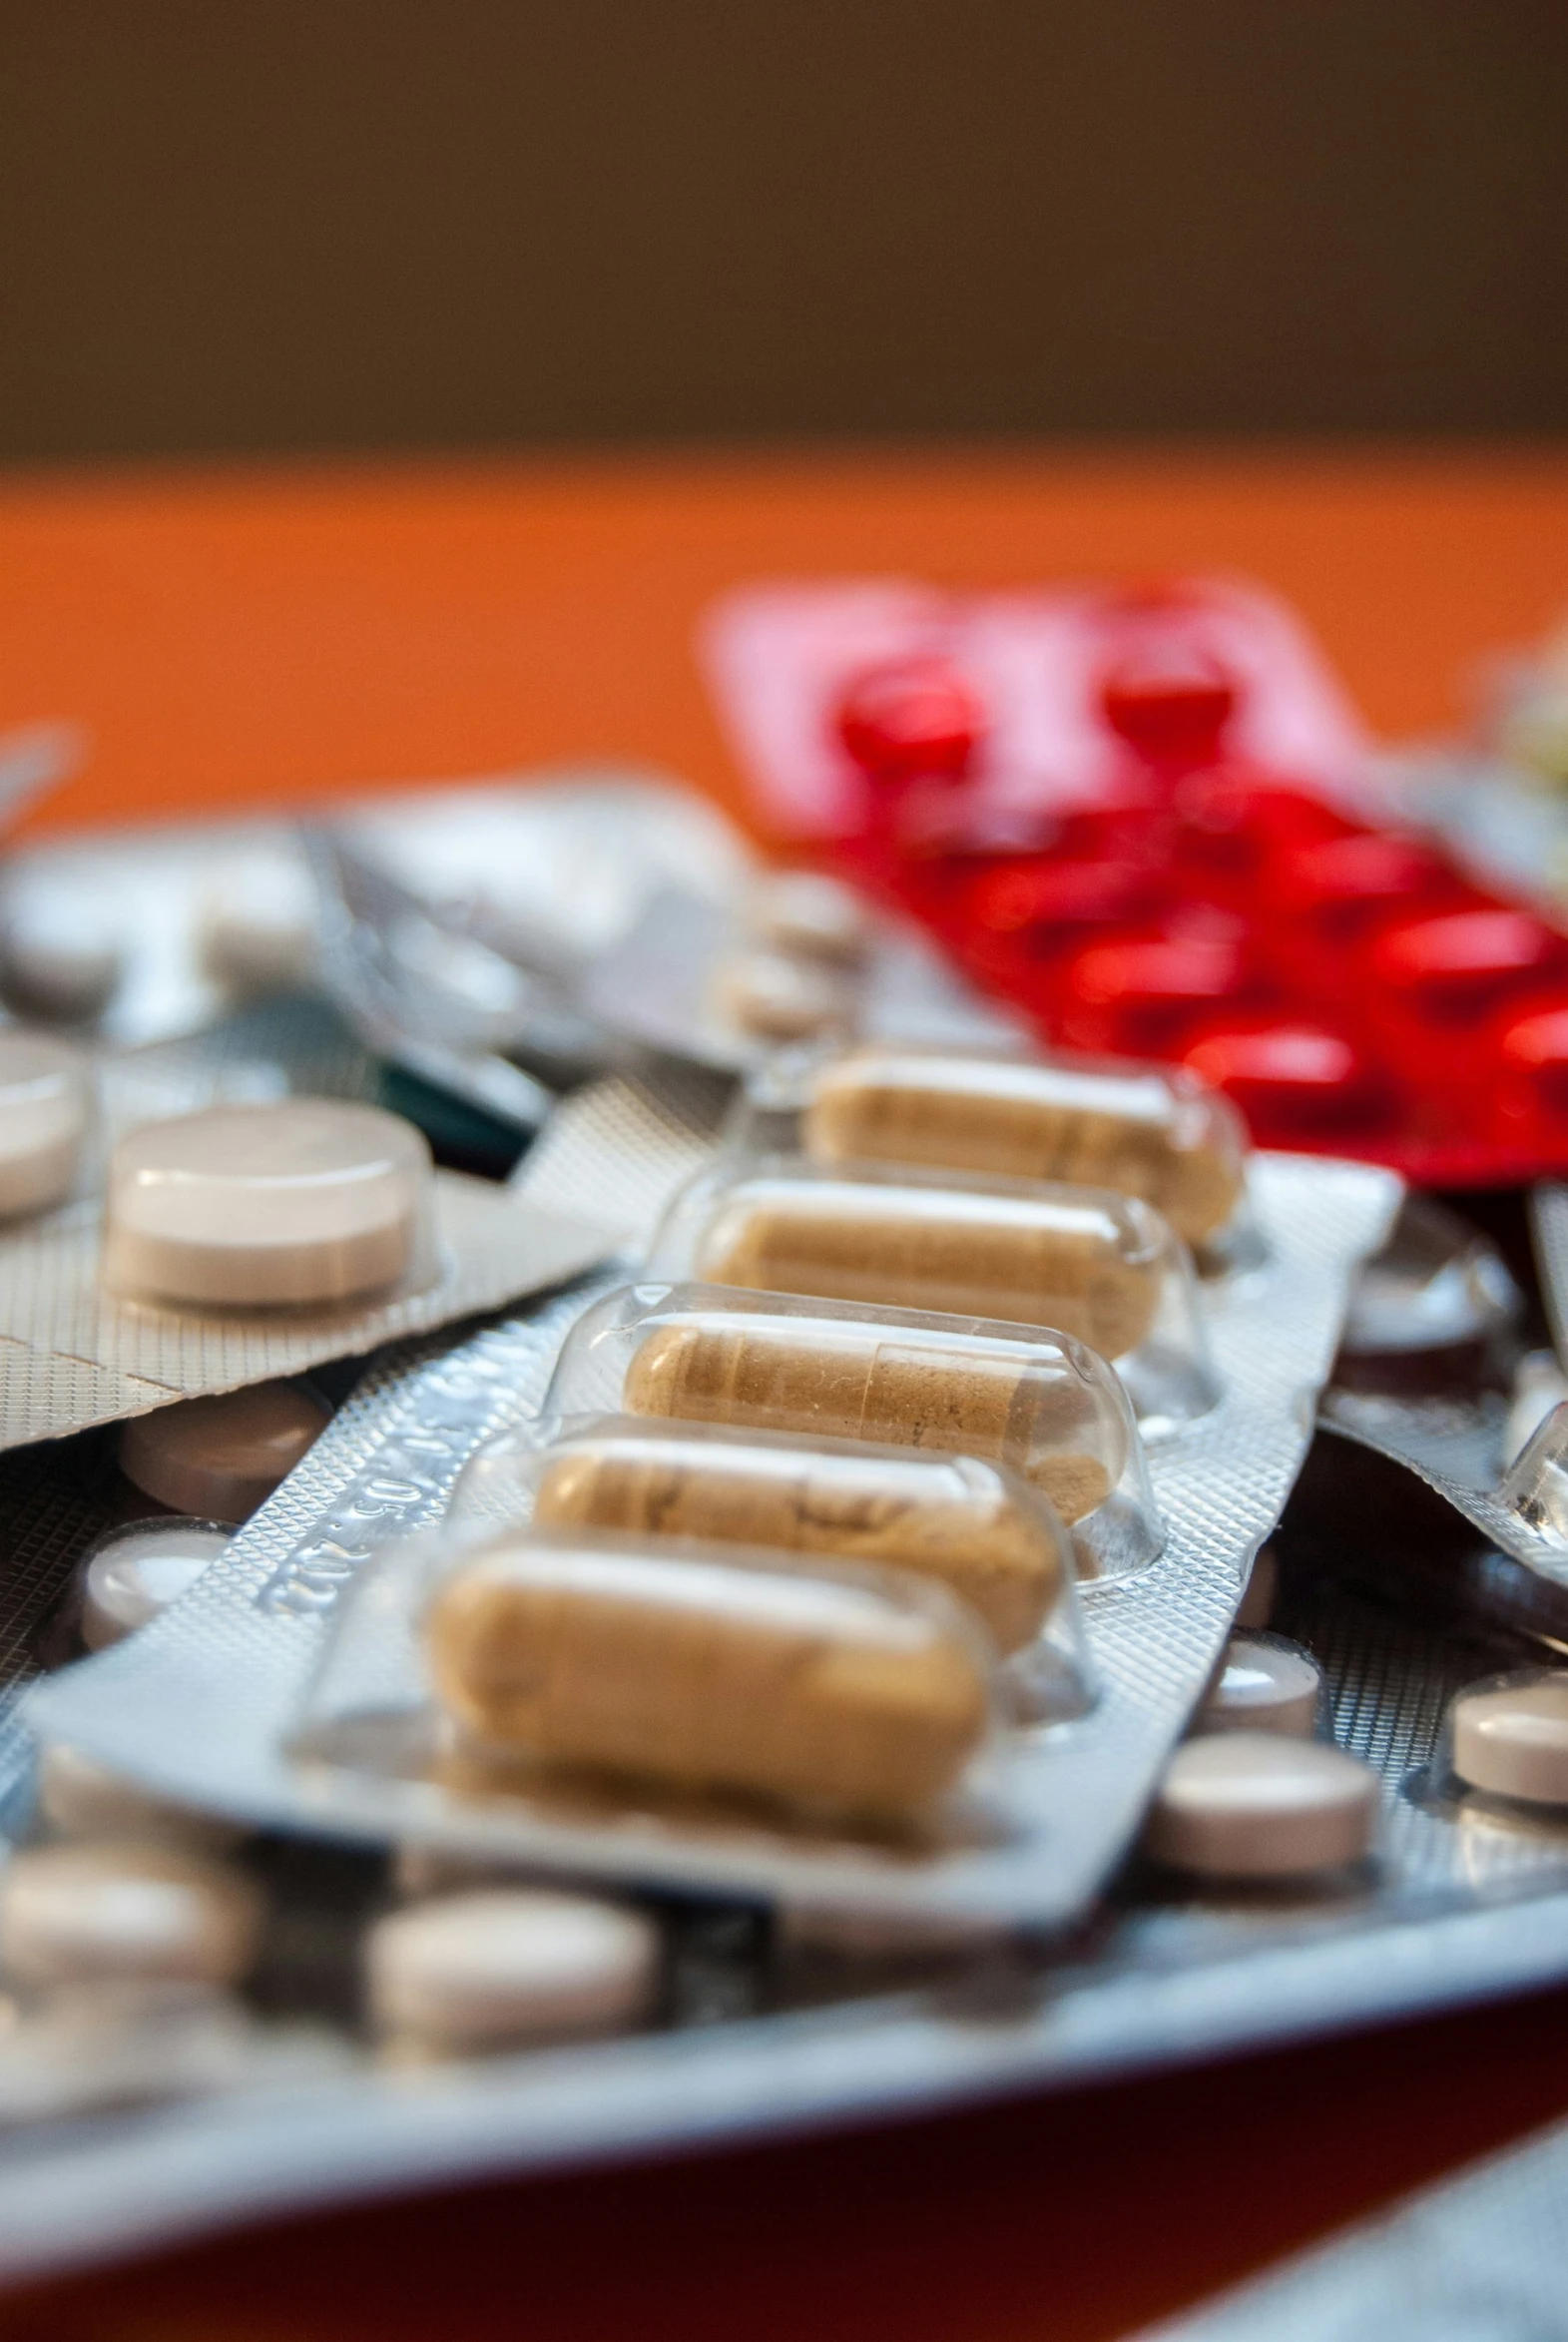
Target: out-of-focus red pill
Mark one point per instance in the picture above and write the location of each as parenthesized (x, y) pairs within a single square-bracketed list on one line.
[(1237, 822), (1144, 992), (908, 719), (1535, 1049), (1288, 1076), (1169, 702), (1044, 894), (1461, 963), (1339, 882)]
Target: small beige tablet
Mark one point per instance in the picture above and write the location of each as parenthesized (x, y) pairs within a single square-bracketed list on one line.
[(1512, 1739), (1260, 1805), (305, 1201), (809, 913), (78, 1913), (776, 997), (137, 1572), (46, 1112), (480, 1970), (79, 1798), (1262, 1687), (221, 1458)]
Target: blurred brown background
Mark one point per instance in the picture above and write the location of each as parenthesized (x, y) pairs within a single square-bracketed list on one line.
[(305, 224)]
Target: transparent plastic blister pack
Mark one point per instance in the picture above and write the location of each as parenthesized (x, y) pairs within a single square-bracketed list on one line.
[(1148, 1132), (1503, 1466), (1041, 1403), (1073, 1792), (729, 983), (1098, 1266)]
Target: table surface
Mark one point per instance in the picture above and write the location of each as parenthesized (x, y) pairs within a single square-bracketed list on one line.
[(238, 639)]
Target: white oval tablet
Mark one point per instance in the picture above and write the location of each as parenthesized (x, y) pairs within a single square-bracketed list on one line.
[(306, 1200), (777, 998), (1262, 1687), (135, 1572), (221, 1458), (46, 1111), (1512, 1739), (1257, 1805), (474, 1972), (83, 1799), (68, 1914), (803, 910), (58, 960)]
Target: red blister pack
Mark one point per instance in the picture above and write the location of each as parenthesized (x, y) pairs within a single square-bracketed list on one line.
[(1146, 816)]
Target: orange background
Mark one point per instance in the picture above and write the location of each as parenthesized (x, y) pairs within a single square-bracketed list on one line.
[(253, 638)]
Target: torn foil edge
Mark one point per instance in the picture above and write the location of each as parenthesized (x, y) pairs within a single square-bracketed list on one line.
[(196, 1705)]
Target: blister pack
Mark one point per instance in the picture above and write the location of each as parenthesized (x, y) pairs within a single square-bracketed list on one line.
[(1147, 817), (229, 1671), (184, 1222)]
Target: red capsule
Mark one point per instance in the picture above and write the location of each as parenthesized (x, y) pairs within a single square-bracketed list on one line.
[(1291, 1077), (1459, 965), (1170, 703), (908, 719)]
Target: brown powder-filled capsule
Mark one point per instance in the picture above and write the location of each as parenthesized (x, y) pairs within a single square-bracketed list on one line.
[(1082, 1265), (899, 1389), (966, 1524), (1146, 1133), (711, 1676)]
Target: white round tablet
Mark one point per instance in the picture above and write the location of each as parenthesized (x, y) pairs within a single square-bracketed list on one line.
[(308, 1200), (58, 960), (1262, 1687), (474, 1972), (70, 1913), (135, 1572), (1512, 1738), (81, 1798), (221, 1458), (1257, 1805), (257, 923), (801, 910), (46, 1112), (777, 998)]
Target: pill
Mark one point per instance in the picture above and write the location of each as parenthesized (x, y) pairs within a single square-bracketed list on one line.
[(135, 1572), (59, 961), (896, 1388), (776, 997), (257, 925), (1148, 1134), (817, 917), (46, 1110), (305, 1200), (74, 1914), (711, 1675), (480, 1970), (1083, 1265), (1260, 1805), (81, 1798), (1263, 1586), (1512, 1739), (968, 1523), (221, 1458), (1262, 1687)]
